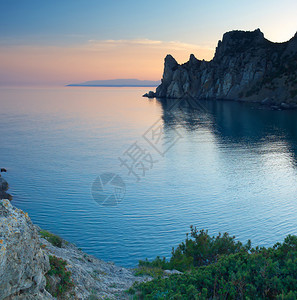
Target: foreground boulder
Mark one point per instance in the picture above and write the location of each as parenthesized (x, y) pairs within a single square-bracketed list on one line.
[(246, 67), (23, 263)]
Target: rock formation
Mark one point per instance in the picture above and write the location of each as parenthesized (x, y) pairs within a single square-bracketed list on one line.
[(3, 188), (92, 276), (22, 261), (246, 67)]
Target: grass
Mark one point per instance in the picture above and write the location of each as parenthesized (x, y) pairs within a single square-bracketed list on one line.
[(55, 240)]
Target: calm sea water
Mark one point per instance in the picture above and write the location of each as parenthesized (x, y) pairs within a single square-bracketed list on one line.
[(226, 167)]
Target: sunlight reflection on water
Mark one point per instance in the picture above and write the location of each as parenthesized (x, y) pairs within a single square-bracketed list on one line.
[(233, 169)]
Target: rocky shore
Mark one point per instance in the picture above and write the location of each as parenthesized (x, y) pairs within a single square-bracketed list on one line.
[(3, 189), (246, 67), (30, 259)]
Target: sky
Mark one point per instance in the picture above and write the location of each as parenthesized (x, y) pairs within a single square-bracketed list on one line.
[(56, 42)]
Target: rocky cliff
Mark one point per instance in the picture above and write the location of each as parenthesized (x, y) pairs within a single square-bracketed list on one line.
[(246, 67), (34, 264), (22, 261)]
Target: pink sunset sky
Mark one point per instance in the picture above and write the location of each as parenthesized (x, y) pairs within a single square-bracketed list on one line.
[(62, 42)]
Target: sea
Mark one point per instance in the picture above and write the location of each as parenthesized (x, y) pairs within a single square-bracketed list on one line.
[(124, 177)]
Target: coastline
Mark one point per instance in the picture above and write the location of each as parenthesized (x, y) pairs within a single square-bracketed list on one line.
[(266, 103), (25, 264), (245, 66)]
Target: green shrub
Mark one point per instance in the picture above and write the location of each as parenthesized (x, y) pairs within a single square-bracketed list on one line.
[(198, 250), (52, 238), (221, 268), (58, 269)]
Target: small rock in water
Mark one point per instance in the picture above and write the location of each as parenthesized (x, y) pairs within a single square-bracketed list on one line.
[(3, 185), (275, 107), (285, 105), (150, 94), (267, 101), (3, 188)]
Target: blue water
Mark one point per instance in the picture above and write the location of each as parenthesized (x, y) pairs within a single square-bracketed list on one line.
[(227, 167)]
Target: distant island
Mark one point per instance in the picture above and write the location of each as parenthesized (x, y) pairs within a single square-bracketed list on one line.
[(119, 83), (246, 67)]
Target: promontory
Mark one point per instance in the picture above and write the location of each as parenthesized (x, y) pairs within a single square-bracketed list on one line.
[(246, 67)]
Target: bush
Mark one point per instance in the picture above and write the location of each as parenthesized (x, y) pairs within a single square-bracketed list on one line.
[(58, 270), (52, 238), (199, 250), (219, 267)]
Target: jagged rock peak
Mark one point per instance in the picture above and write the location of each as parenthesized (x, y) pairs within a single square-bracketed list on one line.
[(193, 60), (246, 67), (240, 34), (238, 41), (170, 61)]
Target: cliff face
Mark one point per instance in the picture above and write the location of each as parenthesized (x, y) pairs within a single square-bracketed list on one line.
[(24, 265), (22, 261), (246, 66)]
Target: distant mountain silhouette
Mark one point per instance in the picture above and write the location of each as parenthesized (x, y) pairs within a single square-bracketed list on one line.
[(118, 83)]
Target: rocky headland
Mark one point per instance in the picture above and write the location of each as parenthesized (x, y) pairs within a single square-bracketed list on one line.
[(246, 67), (36, 264)]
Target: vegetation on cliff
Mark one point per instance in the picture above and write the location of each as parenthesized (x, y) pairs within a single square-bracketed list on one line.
[(58, 278), (54, 239), (37, 264), (222, 268)]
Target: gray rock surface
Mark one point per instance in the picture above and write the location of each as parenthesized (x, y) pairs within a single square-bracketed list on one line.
[(3, 184), (92, 276), (22, 261), (150, 94), (3, 188), (172, 272), (246, 67)]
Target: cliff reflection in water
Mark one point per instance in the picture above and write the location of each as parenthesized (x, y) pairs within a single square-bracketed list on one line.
[(233, 169), (234, 124)]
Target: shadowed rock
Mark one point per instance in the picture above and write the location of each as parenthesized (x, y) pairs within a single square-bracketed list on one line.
[(150, 94), (246, 67), (3, 188), (3, 185)]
